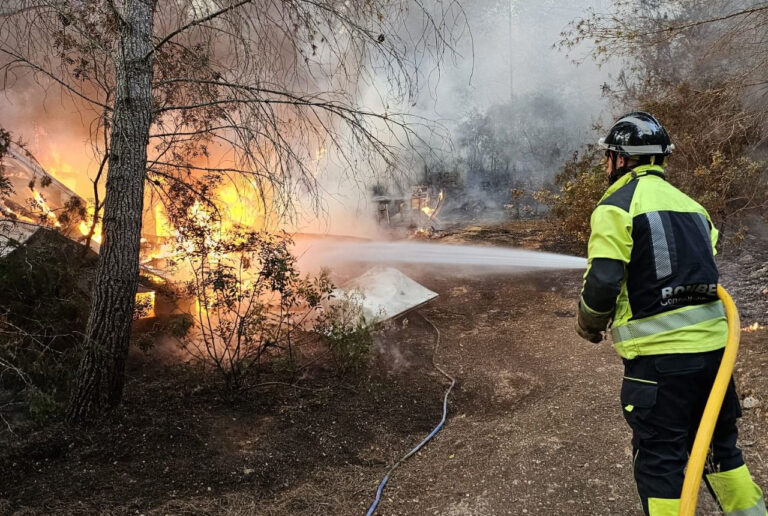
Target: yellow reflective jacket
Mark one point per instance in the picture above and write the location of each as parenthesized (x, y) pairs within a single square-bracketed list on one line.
[(652, 269)]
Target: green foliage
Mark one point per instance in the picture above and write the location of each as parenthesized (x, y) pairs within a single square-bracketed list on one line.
[(145, 341), (42, 407), (5, 141), (179, 325), (347, 333), (5, 186)]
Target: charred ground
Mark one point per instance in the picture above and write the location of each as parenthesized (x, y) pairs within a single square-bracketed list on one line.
[(534, 424)]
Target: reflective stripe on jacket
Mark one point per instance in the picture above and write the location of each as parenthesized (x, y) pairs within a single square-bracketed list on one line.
[(654, 246)]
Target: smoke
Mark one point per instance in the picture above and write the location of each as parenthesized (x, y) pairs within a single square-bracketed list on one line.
[(53, 126), (501, 56), (505, 67)]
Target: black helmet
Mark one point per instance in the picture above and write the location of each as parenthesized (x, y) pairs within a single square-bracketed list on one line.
[(638, 134)]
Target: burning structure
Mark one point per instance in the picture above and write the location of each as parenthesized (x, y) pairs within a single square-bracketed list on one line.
[(48, 197), (419, 210), (40, 205)]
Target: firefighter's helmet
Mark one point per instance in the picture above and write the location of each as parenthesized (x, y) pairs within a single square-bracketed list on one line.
[(638, 134)]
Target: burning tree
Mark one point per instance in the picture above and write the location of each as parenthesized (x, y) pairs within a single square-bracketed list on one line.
[(166, 82)]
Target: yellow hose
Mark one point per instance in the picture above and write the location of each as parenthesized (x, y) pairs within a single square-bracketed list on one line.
[(698, 457)]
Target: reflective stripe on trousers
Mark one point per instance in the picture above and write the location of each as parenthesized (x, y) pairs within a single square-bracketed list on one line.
[(736, 492), (667, 322), (663, 506), (671, 507)]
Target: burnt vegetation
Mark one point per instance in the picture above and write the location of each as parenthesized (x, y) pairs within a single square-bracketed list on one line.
[(272, 379), (700, 68), (165, 83)]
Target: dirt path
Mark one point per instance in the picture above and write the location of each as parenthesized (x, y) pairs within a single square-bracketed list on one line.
[(534, 426), (537, 427)]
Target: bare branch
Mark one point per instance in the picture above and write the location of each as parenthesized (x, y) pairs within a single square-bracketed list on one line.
[(197, 22), (203, 169), (50, 75), (697, 23)]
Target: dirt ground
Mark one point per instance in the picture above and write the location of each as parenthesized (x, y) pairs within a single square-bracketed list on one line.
[(534, 424)]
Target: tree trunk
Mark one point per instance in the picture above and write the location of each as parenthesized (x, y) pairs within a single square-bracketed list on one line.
[(100, 378)]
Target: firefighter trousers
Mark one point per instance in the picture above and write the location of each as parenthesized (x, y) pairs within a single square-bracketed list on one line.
[(663, 399)]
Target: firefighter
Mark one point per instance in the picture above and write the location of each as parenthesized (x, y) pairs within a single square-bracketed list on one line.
[(652, 277)]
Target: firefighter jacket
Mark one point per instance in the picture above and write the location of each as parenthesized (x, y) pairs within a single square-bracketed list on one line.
[(652, 269)]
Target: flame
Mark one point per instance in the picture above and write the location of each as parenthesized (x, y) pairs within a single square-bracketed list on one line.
[(66, 167), (145, 304), (162, 225), (200, 215), (242, 205), (85, 228), (48, 212), (154, 278), (429, 211), (753, 327)]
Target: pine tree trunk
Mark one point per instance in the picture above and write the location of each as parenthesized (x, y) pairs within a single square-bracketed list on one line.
[(100, 378)]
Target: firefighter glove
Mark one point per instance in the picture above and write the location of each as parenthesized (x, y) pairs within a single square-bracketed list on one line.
[(592, 336), (590, 326)]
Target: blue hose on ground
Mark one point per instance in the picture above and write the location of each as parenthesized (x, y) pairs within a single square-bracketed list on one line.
[(439, 426)]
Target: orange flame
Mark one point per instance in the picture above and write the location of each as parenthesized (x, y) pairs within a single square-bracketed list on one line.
[(48, 212), (85, 228), (145, 304), (753, 327), (241, 205), (67, 167)]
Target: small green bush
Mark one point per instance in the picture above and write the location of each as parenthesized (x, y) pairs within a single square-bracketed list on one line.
[(347, 333)]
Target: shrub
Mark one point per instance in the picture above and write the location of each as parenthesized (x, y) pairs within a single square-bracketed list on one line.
[(44, 306), (347, 333), (582, 183), (711, 162), (42, 407), (251, 300), (714, 135)]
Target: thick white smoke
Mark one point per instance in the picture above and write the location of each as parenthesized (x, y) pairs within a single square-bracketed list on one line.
[(507, 54)]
